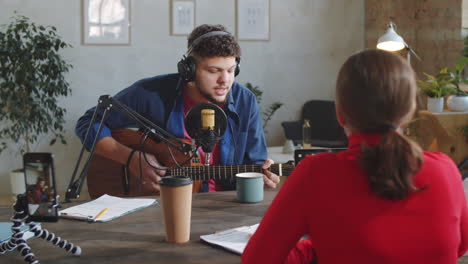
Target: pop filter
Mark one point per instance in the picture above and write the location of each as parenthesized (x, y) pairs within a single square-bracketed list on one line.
[(206, 123)]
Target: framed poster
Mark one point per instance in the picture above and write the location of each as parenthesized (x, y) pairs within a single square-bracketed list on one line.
[(105, 22), (253, 19), (182, 17)]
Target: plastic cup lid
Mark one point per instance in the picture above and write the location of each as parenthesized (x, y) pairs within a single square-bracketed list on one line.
[(175, 181)]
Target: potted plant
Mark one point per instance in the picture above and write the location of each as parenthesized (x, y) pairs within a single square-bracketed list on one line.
[(32, 78), (435, 88), (267, 114), (458, 101)]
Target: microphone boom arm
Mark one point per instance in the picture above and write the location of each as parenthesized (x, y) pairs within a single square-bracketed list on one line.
[(107, 102)]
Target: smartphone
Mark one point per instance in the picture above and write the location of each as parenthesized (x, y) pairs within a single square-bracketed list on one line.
[(39, 173)]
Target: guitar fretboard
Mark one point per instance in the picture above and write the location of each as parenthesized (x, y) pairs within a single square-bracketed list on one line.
[(223, 172)]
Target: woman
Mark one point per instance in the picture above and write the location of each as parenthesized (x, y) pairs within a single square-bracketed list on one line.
[(381, 201)]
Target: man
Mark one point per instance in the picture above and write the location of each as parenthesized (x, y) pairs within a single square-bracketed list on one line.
[(205, 75)]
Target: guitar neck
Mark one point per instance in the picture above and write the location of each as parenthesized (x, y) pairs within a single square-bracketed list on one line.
[(223, 172)]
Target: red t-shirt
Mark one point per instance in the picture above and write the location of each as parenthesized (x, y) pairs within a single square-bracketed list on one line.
[(212, 185), (327, 197)]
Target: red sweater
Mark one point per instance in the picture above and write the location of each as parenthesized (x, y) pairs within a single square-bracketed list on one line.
[(327, 198)]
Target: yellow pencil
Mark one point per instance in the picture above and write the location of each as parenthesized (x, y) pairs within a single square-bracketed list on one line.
[(100, 214)]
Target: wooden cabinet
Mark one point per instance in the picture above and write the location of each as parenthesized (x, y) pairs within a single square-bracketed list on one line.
[(441, 132)]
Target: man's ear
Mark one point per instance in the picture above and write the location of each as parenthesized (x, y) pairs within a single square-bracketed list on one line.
[(190, 84)]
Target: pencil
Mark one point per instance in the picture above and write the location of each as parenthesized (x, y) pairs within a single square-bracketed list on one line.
[(100, 214)]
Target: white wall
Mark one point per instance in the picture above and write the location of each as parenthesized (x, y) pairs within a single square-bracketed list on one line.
[(310, 39)]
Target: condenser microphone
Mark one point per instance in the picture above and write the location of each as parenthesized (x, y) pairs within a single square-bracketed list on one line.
[(206, 123), (208, 135)]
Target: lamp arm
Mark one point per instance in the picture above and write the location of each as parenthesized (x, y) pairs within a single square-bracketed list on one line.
[(107, 102), (408, 47)]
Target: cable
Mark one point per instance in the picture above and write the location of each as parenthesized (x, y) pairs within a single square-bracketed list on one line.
[(140, 176), (233, 139), (180, 166), (142, 146)]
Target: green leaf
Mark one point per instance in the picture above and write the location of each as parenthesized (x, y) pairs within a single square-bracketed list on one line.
[(32, 77), (272, 108), (461, 63)]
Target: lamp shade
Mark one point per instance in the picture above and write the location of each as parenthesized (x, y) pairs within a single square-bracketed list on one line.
[(391, 41)]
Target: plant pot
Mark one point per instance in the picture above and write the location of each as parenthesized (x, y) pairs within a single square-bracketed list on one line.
[(457, 103), (17, 183), (435, 105), (288, 147)]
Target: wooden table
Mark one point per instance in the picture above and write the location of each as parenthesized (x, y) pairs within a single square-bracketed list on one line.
[(139, 237)]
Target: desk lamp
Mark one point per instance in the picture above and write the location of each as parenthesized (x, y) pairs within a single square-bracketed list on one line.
[(391, 41)]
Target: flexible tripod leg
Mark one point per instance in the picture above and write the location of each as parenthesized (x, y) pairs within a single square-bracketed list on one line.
[(17, 242), (52, 238), (25, 251)]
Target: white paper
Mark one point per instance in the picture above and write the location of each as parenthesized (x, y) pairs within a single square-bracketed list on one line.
[(253, 22), (116, 207), (183, 17), (233, 240)]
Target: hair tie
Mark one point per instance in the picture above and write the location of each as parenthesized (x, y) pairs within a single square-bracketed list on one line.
[(390, 126)]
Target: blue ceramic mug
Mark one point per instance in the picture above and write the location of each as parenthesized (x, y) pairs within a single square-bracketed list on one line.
[(249, 187)]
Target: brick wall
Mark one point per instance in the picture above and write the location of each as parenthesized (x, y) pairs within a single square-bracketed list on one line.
[(431, 27)]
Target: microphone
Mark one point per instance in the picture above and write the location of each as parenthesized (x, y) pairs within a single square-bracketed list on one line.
[(207, 119), (207, 128), (206, 123)]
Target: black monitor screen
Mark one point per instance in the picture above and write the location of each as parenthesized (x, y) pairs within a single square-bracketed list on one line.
[(299, 154)]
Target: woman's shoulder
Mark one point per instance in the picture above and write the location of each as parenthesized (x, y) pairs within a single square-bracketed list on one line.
[(436, 158), (437, 163)]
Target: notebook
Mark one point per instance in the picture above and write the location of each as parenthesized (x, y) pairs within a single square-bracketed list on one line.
[(234, 240), (5, 231), (105, 208)]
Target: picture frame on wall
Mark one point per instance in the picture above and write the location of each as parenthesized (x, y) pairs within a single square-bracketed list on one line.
[(253, 20), (182, 15), (105, 22)]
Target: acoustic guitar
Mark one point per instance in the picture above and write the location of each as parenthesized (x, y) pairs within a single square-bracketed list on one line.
[(106, 176)]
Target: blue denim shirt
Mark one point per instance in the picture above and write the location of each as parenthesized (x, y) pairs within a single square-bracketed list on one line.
[(160, 100)]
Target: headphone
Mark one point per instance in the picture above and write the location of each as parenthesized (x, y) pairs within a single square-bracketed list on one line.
[(187, 65)]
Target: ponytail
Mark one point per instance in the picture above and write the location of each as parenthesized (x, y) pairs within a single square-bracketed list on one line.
[(391, 165)]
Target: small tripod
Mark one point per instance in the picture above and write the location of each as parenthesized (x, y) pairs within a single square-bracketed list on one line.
[(16, 241)]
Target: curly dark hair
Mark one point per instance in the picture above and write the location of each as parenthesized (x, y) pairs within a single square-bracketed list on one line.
[(221, 45)]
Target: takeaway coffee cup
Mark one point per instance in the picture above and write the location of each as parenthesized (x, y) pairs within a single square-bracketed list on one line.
[(249, 187), (176, 203)]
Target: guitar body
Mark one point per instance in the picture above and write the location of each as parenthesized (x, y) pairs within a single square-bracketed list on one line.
[(106, 176)]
